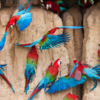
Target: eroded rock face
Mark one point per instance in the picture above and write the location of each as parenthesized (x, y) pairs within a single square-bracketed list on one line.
[(15, 57), (35, 2), (90, 48), (73, 18)]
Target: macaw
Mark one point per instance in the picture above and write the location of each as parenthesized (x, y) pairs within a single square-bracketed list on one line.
[(22, 19), (57, 5), (50, 76), (50, 40), (4, 77), (31, 63), (85, 3), (99, 54), (77, 77), (70, 96)]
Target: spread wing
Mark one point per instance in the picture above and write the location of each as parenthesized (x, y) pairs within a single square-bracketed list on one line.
[(49, 41), (54, 41), (65, 83), (22, 9), (24, 21)]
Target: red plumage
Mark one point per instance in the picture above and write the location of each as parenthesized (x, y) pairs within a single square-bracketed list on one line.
[(36, 90), (99, 54), (3, 76), (33, 54), (72, 96), (12, 21), (51, 74), (54, 7), (88, 3), (52, 31), (77, 72)]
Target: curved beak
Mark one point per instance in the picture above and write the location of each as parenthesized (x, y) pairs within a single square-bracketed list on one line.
[(99, 44), (60, 62), (47, 6), (11, 26)]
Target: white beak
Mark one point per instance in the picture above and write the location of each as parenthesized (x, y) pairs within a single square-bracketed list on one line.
[(11, 26), (47, 6)]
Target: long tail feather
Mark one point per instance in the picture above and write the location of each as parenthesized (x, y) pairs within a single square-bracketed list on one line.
[(95, 85), (37, 89), (34, 93), (27, 85), (72, 27), (3, 76)]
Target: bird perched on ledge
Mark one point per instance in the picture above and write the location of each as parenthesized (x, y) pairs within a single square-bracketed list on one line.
[(85, 3), (57, 5), (31, 63), (76, 77), (50, 76), (4, 77), (22, 19), (50, 40)]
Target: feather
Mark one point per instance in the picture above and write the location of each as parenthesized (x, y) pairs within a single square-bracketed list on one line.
[(4, 77), (1, 66), (72, 27), (37, 89), (3, 40), (93, 74), (31, 63), (24, 21), (65, 83)]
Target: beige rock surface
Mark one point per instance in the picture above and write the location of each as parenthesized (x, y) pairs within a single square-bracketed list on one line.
[(90, 48), (15, 57), (35, 2), (73, 18)]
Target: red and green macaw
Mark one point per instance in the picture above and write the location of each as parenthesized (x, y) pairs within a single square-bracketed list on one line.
[(85, 3), (31, 63), (70, 96), (4, 77), (50, 76), (99, 54), (57, 5), (77, 77), (22, 19), (50, 40)]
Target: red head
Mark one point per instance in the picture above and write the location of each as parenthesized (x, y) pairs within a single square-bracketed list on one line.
[(57, 63), (49, 4), (12, 21), (79, 66), (72, 96), (52, 31)]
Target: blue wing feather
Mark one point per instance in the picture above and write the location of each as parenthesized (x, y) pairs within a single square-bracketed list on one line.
[(1, 66), (72, 27), (24, 21), (65, 83), (73, 69), (3, 40), (93, 74)]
